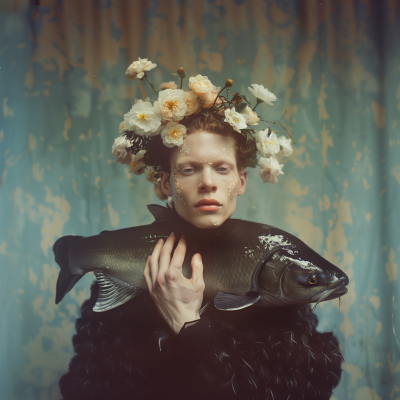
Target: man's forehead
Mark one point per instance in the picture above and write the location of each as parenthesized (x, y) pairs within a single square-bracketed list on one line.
[(205, 145)]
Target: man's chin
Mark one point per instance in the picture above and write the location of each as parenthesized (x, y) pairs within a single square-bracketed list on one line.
[(207, 221)]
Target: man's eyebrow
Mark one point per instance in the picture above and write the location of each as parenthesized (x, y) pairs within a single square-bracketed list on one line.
[(217, 161)]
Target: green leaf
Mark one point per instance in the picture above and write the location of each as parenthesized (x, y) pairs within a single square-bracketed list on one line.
[(240, 107), (248, 130), (174, 74)]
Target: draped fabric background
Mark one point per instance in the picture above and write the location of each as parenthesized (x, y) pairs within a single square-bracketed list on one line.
[(334, 65)]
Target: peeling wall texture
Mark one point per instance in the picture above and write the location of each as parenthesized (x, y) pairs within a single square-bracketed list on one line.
[(334, 65)]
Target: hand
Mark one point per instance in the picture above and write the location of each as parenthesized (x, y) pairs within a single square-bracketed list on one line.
[(177, 298)]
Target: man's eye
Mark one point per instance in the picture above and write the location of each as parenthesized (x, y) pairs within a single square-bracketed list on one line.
[(222, 169), (187, 170)]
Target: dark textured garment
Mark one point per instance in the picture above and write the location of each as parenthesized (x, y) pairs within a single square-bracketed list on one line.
[(255, 353)]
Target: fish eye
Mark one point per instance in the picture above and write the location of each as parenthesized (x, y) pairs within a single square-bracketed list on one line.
[(313, 280)]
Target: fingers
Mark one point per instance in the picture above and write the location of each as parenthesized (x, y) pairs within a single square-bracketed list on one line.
[(165, 257), (146, 274), (154, 258), (175, 267), (197, 269)]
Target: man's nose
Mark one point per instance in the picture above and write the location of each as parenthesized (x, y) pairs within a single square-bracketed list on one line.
[(207, 183)]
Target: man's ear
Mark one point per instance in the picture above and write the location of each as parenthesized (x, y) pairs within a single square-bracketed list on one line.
[(165, 183), (242, 186)]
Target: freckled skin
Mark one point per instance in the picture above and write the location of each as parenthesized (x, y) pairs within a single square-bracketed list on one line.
[(207, 171)]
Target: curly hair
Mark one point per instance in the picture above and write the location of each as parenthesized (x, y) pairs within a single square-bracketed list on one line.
[(158, 155)]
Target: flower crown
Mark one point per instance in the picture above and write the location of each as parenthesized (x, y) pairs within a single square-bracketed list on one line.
[(146, 120)]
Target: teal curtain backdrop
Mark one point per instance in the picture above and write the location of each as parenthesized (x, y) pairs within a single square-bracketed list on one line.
[(333, 64)]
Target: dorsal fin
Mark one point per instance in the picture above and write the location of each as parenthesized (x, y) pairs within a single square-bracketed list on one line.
[(160, 213)]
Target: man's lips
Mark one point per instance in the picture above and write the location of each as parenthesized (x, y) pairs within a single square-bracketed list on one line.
[(208, 205)]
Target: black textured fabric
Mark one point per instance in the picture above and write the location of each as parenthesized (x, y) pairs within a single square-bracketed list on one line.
[(254, 353)]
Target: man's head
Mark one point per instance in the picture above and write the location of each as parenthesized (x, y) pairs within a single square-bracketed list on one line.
[(206, 174)]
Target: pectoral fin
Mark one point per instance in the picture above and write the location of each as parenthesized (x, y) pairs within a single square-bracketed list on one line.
[(231, 302), (112, 292)]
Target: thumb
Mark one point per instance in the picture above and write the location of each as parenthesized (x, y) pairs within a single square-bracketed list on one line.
[(197, 268)]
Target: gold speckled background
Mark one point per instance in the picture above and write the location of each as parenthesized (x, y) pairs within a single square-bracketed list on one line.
[(335, 66)]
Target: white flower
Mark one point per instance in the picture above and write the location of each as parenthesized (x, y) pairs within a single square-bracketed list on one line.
[(120, 150), (122, 128), (151, 175), (270, 169), (262, 93), (267, 145), (253, 117), (168, 85), (192, 103), (285, 144), (137, 165), (171, 104), (137, 68), (173, 134), (201, 85), (236, 120), (142, 119)]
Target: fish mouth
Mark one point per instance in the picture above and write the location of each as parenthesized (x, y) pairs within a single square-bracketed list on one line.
[(329, 294), (337, 293)]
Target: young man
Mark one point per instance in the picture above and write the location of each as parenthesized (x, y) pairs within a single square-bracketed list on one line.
[(157, 345), (204, 184)]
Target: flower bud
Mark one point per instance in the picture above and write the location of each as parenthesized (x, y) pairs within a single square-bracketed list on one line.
[(181, 72), (229, 83)]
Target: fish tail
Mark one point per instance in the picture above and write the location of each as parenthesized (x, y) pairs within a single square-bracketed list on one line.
[(66, 279)]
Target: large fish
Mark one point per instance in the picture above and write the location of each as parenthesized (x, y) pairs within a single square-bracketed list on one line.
[(244, 262)]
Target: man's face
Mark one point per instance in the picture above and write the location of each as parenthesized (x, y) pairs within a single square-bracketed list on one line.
[(204, 180)]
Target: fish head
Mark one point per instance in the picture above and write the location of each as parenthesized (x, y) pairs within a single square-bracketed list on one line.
[(296, 279)]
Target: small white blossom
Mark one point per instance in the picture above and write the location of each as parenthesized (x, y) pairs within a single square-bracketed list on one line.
[(270, 169), (285, 144), (236, 120), (201, 85), (137, 68), (120, 150), (171, 104), (142, 118), (151, 175), (192, 103), (122, 128), (262, 93), (137, 165), (253, 117), (267, 145), (173, 134), (168, 85)]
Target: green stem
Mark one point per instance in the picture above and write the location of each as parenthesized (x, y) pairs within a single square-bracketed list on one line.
[(152, 86), (181, 82), (258, 102)]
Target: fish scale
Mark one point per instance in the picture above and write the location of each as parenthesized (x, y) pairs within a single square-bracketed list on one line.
[(244, 263)]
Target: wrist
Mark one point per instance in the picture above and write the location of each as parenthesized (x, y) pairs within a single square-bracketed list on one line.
[(176, 326)]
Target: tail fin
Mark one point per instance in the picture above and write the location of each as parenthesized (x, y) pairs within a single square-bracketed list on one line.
[(66, 280)]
